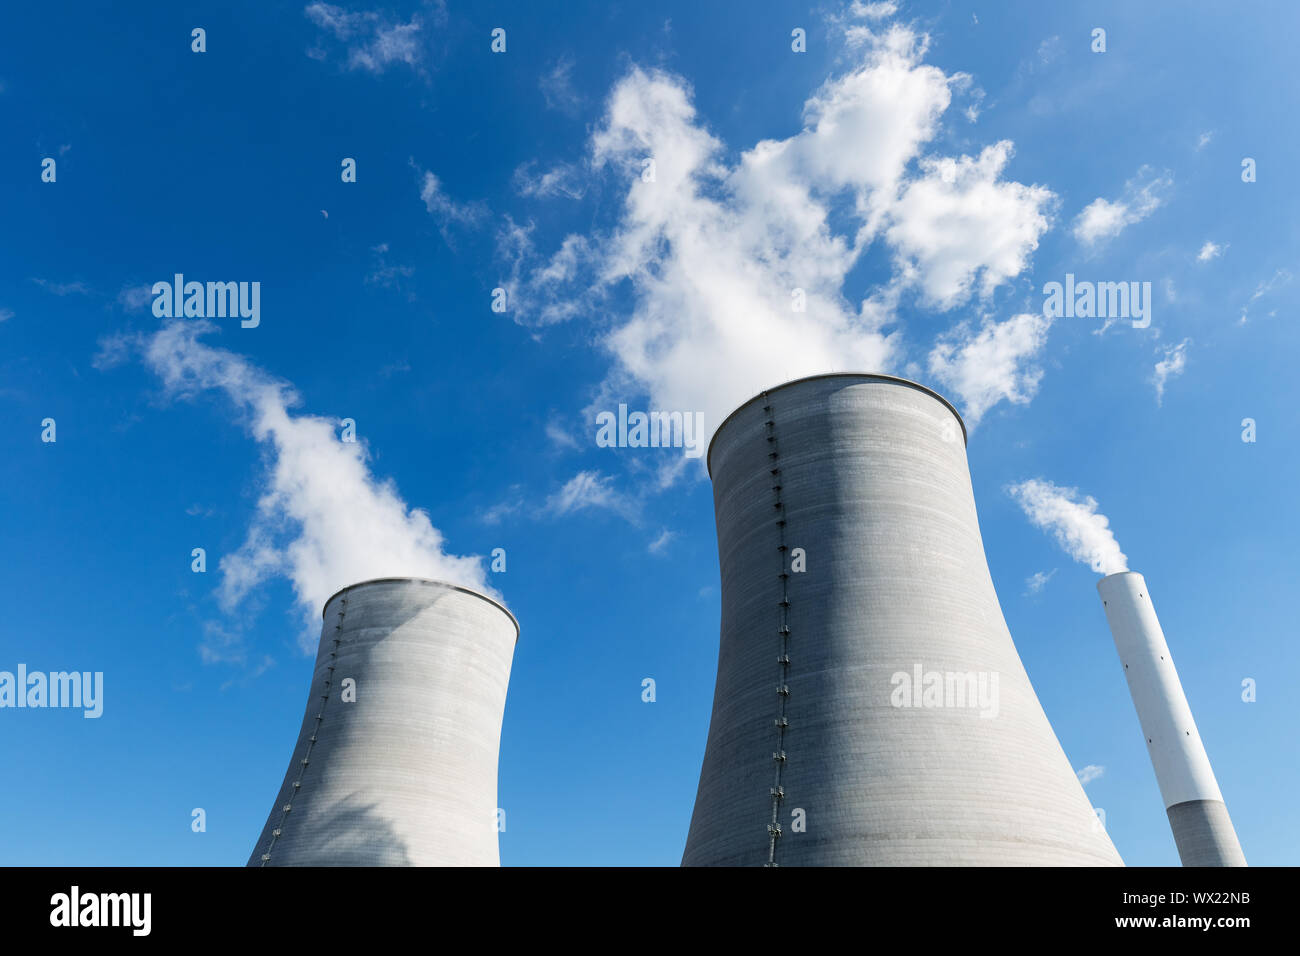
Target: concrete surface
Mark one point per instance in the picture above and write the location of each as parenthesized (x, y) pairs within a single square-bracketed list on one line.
[(1197, 813), (868, 474), (405, 775)]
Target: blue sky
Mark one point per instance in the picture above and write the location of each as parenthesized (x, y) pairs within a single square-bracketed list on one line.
[(921, 174)]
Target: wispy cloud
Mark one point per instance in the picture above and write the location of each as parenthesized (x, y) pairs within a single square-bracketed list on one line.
[(1209, 251), (1090, 773), (1172, 364), (513, 505), (1204, 140), (558, 90), (1038, 580), (133, 297), (115, 348), (1104, 219), (64, 288), (371, 40), (873, 11), (562, 179), (559, 436), (590, 490), (222, 644), (660, 544), (1073, 520), (6, 315), (1279, 278), (383, 273), (446, 211), (251, 674), (1050, 50)]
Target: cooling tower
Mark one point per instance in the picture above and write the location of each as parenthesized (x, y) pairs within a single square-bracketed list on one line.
[(1197, 813), (870, 706), (396, 761)]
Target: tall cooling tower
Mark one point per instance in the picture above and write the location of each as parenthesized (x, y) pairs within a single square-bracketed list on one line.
[(396, 761), (1197, 813), (870, 706)]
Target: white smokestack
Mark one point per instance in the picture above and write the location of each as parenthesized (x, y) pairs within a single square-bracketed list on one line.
[(1197, 813)]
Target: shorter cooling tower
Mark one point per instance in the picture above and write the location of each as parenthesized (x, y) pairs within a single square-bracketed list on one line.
[(1197, 813), (396, 761), (870, 706)]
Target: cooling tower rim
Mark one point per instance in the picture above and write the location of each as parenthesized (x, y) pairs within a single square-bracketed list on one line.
[(442, 584), (875, 376)]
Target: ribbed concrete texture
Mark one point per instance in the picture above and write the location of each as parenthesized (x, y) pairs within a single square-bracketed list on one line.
[(870, 706), (405, 774), (1204, 834), (1197, 814)]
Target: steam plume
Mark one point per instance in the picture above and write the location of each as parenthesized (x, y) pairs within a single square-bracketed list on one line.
[(1074, 521), (324, 520)]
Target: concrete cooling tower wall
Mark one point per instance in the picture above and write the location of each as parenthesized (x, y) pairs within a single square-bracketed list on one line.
[(870, 706), (396, 761)]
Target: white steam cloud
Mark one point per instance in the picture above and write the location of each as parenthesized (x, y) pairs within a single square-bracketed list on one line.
[(991, 364), (1104, 219), (324, 521), (738, 261), (1074, 521)]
